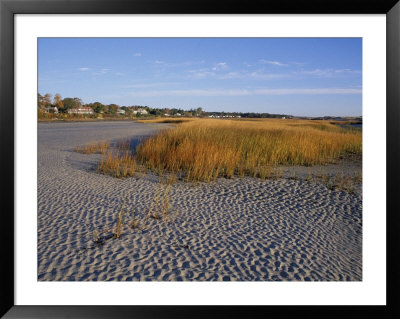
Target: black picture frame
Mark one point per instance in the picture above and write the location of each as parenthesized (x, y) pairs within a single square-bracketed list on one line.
[(8, 8)]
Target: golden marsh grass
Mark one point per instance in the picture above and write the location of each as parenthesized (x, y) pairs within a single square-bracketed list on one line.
[(118, 163), (118, 160), (205, 149), (92, 148)]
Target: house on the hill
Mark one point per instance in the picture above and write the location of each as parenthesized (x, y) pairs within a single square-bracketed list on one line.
[(51, 110), (81, 110), (140, 111)]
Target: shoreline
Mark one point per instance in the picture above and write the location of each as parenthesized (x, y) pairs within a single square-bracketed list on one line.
[(83, 120)]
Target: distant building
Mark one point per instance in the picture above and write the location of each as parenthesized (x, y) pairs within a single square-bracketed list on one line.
[(51, 110), (122, 112), (140, 111), (81, 110)]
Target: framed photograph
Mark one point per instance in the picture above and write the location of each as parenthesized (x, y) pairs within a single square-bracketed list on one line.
[(272, 185)]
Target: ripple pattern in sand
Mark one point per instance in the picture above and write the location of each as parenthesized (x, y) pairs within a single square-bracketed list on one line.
[(242, 229)]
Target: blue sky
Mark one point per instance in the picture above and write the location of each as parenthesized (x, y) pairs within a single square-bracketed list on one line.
[(297, 76)]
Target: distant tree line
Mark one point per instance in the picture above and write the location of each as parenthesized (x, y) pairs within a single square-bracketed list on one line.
[(46, 104)]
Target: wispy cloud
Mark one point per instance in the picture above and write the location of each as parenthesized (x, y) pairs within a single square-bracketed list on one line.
[(277, 63), (220, 66), (84, 69), (245, 92), (102, 71), (177, 64), (137, 54), (148, 85), (223, 73), (262, 75), (317, 91), (200, 73), (330, 72), (196, 92)]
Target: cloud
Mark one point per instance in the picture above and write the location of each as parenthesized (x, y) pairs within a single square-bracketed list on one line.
[(220, 66), (330, 72), (223, 71), (318, 91), (224, 75), (148, 85), (261, 75), (273, 62), (177, 64), (245, 92), (200, 73), (84, 69), (137, 54), (208, 92), (102, 71)]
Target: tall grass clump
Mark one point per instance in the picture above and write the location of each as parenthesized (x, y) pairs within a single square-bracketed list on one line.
[(206, 149), (118, 164), (119, 160), (123, 145), (92, 148)]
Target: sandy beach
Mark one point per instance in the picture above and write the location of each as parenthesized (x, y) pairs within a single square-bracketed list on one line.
[(239, 229)]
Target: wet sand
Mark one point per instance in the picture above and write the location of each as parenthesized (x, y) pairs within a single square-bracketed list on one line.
[(242, 229)]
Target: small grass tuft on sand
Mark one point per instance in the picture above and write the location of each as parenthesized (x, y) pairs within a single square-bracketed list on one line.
[(119, 221), (160, 207)]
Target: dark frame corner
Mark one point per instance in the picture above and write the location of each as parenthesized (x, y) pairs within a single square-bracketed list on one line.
[(8, 8)]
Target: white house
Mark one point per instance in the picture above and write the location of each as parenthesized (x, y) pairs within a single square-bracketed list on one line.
[(51, 110), (140, 111), (120, 111), (81, 110)]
